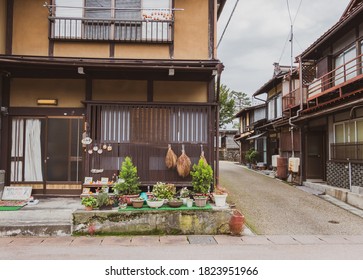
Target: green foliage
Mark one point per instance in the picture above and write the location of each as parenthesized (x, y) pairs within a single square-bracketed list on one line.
[(202, 177), (226, 103), (103, 199), (164, 191), (241, 100), (130, 181), (231, 102), (251, 156), (89, 201)]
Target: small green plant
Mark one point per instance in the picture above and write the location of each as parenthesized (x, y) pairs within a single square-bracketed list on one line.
[(164, 191), (129, 179), (202, 177), (251, 156), (184, 192), (89, 201), (103, 199)]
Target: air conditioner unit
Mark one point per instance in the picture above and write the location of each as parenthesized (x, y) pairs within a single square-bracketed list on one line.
[(294, 164), (274, 160)]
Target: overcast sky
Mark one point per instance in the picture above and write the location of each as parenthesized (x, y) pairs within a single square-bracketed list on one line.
[(258, 32)]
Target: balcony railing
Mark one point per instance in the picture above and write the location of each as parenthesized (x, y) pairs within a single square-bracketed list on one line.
[(90, 29), (348, 72), (291, 100), (347, 151)]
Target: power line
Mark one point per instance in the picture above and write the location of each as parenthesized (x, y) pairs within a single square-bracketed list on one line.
[(229, 19)]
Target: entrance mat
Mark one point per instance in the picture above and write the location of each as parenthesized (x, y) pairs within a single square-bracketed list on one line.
[(166, 208), (10, 208), (7, 203)]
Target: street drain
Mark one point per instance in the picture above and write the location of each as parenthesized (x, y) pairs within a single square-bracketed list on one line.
[(333, 222), (196, 239)]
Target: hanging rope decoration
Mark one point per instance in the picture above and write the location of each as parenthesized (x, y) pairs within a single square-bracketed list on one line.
[(183, 164), (202, 157), (171, 158)]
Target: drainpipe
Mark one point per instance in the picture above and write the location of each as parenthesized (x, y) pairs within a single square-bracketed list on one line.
[(296, 116), (216, 172)]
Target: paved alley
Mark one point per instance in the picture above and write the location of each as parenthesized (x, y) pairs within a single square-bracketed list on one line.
[(274, 207)]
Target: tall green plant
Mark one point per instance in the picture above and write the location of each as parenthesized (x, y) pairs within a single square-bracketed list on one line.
[(130, 181), (202, 177)]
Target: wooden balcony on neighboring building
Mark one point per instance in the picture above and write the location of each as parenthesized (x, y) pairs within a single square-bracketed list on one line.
[(293, 99), (341, 82)]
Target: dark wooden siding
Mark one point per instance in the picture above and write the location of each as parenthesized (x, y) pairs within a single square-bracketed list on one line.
[(143, 132)]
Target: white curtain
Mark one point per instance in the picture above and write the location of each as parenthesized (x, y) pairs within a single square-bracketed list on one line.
[(33, 155), (17, 139)]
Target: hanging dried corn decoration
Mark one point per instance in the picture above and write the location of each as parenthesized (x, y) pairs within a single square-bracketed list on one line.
[(202, 157), (183, 164), (171, 158)]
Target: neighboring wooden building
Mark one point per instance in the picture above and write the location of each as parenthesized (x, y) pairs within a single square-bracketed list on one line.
[(332, 120), (272, 132), (250, 119), (315, 112), (134, 76), (228, 147)]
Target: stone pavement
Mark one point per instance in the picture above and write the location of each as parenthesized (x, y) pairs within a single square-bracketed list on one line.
[(261, 247)]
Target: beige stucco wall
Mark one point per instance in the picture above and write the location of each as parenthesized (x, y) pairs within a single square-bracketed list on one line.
[(191, 30), (82, 49), (146, 51), (180, 91), (30, 35), (25, 92), (119, 90), (2, 26)]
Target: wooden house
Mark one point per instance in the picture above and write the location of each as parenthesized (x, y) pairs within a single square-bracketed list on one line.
[(250, 137), (130, 76), (273, 93), (331, 120)]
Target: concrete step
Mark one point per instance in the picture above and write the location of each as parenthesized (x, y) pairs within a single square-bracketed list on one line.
[(35, 230)]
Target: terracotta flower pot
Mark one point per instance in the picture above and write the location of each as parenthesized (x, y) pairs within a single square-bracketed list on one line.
[(200, 201), (88, 208), (236, 223), (129, 197), (137, 203)]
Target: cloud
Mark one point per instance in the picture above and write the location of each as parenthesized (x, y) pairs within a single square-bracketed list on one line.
[(258, 34)]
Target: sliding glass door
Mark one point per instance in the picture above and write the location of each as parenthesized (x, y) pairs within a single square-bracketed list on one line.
[(46, 150)]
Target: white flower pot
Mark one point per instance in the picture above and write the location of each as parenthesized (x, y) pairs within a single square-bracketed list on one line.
[(220, 199)]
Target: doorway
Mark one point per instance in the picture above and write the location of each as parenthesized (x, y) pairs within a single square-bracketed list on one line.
[(315, 155), (46, 153)]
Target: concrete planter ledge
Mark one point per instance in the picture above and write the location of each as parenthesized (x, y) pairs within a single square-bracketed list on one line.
[(152, 222)]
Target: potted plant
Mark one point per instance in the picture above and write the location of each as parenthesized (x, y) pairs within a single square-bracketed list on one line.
[(137, 202), (202, 177), (122, 202), (164, 191), (128, 184), (175, 202), (89, 202), (155, 202), (200, 200), (251, 157), (104, 201), (184, 194), (220, 196)]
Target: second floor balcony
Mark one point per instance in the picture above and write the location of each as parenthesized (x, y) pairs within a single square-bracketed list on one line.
[(146, 21), (340, 82), (90, 29)]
